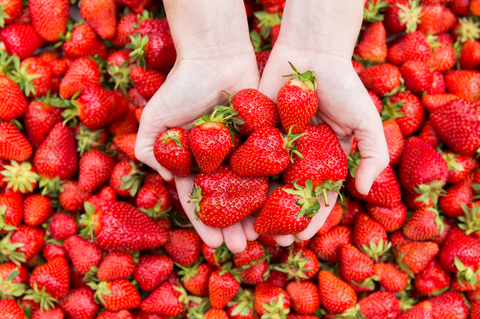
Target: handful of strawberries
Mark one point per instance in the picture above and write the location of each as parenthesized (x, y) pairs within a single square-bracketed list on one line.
[(310, 157)]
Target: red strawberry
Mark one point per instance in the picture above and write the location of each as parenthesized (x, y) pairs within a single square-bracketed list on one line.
[(72, 197), (216, 314), (255, 273), (305, 297), (414, 257), (413, 46), (21, 40), (101, 16), (32, 238), (356, 267), (11, 9), (470, 55), (39, 120), (139, 231), (449, 303), (264, 153), (37, 209), (126, 144), (270, 299), (422, 310), (299, 263), (152, 270), (327, 246), (390, 218), (126, 124), (443, 58), (13, 146), (436, 19), (222, 287), (436, 101), (253, 252), (183, 246), (464, 83), (370, 237), (80, 303), (146, 80), (12, 100), (319, 148), (422, 170), (281, 215), (49, 18), (438, 84), (218, 256), (125, 28), (122, 314), (11, 211), (391, 278), (195, 278), (376, 100), (424, 224), (172, 151), (402, 15), (54, 313), (336, 295), (381, 79), (126, 179), (210, 189), (116, 295), (373, 44), (168, 300), (461, 133), (433, 279), (81, 74), (428, 134), (417, 76), (457, 195), (380, 304), (62, 226), (11, 310), (116, 265), (95, 169), (50, 282), (385, 189), (457, 167), (358, 67), (395, 141), (105, 196), (83, 253), (406, 110), (82, 41), (297, 101)]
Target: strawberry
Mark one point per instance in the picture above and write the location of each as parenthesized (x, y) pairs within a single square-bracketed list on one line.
[(253, 252), (414, 257), (406, 110), (216, 314), (412, 47), (216, 257), (327, 246), (357, 67), (272, 300), (381, 79), (402, 15), (105, 196), (336, 295), (438, 84), (305, 297), (457, 195), (470, 55), (90, 139), (297, 101), (54, 313), (422, 170), (255, 273), (33, 239), (464, 83), (155, 201), (252, 110), (13, 280), (140, 232), (436, 19), (391, 218), (372, 47), (319, 147), (122, 314), (62, 226), (34, 77), (152, 270), (50, 282), (126, 144), (13, 146), (125, 28), (424, 224), (147, 80), (264, 153), (351, 208), (126, 178), (172, 151), (442, 59), (39, 119), (95, 168), (49, 18), (333, 219), (391, 278), (80, 303), (461, 133), (299, 263), (12, 100), (116, 295), (81, 40), (385, 189), (37, 209), (81, 74), (116, 265), (417, 76), (11, 310), (288, 210), (222, 287), (126, 124), (195, 278), (449, 303), (21, 40), (422, 310), (11, 211), (210, 189), (183, 246), (154, 47), (395, 141), (136, 6), (457, 167), (370, 237), (380, 304), (72, 197), (356, 267), (101, 16), (433, 279), (83, 253), (376, 100), (168, 300), (10, 10), (428, 134), (436, 101)]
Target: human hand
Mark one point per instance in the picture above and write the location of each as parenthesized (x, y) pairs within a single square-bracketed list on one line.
[(214, 53), (344, 103)]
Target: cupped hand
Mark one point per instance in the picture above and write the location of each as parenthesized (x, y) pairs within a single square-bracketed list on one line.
[(344, 104)]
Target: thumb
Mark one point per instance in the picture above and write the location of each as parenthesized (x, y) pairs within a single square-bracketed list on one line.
[(373, 148)]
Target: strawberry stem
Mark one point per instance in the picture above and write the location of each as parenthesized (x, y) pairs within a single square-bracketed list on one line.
[(308, 78), (308, 203)]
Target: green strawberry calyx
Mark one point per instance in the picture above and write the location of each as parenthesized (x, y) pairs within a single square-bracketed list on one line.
[(329, 185), (120, 75), (3, 225), (353, 163), (9, 289), (451, 159), (138, 44), (430, 191), (244, 302), (196, 197), (377, 252), (188, 272), (3, 16), (40, 296), (267, 21), (229, 114), (51, 187), (368, 283), (87, 139), (156, 212), (465, 274), (87, 220), (308, 202), (374, 11), (173, 136), (100, 291), (275, 309), (133, 180), (470, 222), (308, 78), (288, 142), (410, 15), (468, 30), (295, 267), (392, 111), (8, 251), (20, 177), (438, 220), (24, 80)]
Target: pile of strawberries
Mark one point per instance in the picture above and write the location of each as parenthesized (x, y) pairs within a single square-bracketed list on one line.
[(87, 231)]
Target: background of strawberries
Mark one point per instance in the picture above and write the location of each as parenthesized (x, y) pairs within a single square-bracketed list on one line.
[(71, 96)]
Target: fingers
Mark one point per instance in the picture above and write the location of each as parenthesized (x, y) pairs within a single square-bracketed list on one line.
[(211, 236), (234, 237), (319, 219), (285, 240), (247, 224), (373, 148)]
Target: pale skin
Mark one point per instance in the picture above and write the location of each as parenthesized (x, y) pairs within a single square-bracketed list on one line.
[(214, 53)]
